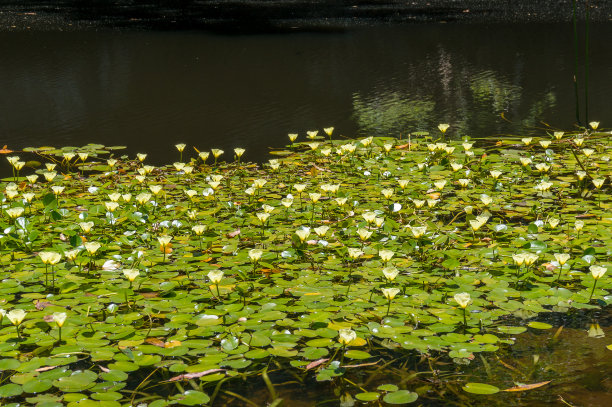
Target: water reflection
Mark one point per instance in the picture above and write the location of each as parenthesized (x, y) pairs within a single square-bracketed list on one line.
[(152, 90)]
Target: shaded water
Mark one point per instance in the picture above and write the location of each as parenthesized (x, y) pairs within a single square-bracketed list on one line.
[(150, 90)]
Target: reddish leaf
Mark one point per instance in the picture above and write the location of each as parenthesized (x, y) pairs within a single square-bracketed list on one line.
[(525, 387), (188, 376), (316, 363), (234, 233)]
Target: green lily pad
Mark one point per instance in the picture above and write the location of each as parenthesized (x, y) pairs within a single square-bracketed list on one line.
[(400, 397), (480, 388)]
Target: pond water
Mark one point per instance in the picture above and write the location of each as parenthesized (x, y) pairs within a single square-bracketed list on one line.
[(150, 90)]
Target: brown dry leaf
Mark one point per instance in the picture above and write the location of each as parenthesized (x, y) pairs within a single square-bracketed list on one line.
[(45, 368), (233, 234), (316, 363), (155, 342), (104, 369), (525, 387), (188, 376), (172, 344), (5, 150), (40, 305), (151, 294), (362, 364)]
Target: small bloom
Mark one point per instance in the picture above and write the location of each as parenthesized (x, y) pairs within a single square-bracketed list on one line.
[(594, 125), (14, 213), (180, 147), (390, 273), (255, 254), (239, 152), (354, 253), (131, 274), (443, 127), (215, 276), (262, 216), (364, 234), (86, 226), (198, 229), (16, 316), (597, 271), (164, 241), (303, 233), (390, 293), (578, 225), (59, 318), (50, 257), (562, 258), (463, 299), (92, 247), (385, 254), (216, 152), (346, 336)]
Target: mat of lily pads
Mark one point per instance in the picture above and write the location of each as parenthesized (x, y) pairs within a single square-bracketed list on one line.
[(125, 283)]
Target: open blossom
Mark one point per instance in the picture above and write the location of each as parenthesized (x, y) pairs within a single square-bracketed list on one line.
[(463, 299), (390, 273), (390, 293), (598, 271), (59, 318), (131, 274), (16, 316), (50, 257), (385, 254), (215, 276), (346, 336), (255, 254)]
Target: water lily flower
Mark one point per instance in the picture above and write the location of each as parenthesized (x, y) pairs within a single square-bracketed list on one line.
[(111, 162), (486, 199), (467, 146), (543, 186), (262, 216), (390, 273), (519, 259), (390, 293), (328, 130), (588, 152), (274, 164), (542, 167), (476, 224), (50, 257), (449, 150), (249, 191), (527, 140), (214, 185), (199, 229), (314, 196), (553, 222), (148, 169), (495, 174), (463, 299), (180, 147), (578, 141), (143, 198), (558, 134), (19, 165), (59, 318), (92, 247), (32, 178), (369, 217), (86, 226), (594, 125), (562, 258), (28, 196), (346, 336), (403, 183), (287, 202), (418, 231), (432, 202), (192, 214), (387, 147), (164, 241), (443, 127), (578, 225), (16, 316), (545, 143), (364, 234), (49, 175), (111, 206), (156, 189), (216, 152), (239, 152), (530, 258), (50, 166), (83, 156), (418, 203), (311, 134), (440, 184), (385, 254), (12, 159), (259, 183), (179, 166), (71, 255), (525, 161), (456, 166), (141, 157), (367, 141), (379, 221), (599, 182), (595, 331), (597, 271), (303, 233), (292, 137), (464, 182), (321, 230), (190, 193), (314, 145), (255, 255), (204, 155), (140, 178), (14, 213), (131, 274), (431, 147), (349, 147), (215, 276), (354, 254), (387, 193)]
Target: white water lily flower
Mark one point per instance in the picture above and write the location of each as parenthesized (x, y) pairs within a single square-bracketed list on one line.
[(255, 254), (14, 213), (354, 253), (578, 141), (259, 183), (217, 152), (239, 152), (464, 182), (314, 196), (527, 140), (387, 192), (463, 299), (495, 174), (530, 258), (346, 336), (49, 175), (486, 199), (385, 254), (321, 230), (215, 276), (519, 259), (390, 273), (456, 166), (594, 125), (292, 136), (598, 271), (578, 225), (588, 152), (390, 293), (440, 184), (364, 234), (311, 134), (92, 247), (111, 265), (418, 231), (545, 143), (443, 127), (553, 222), (262, 216), (16, 316), (369, 217), (599, 182), (198, 229), (59, 318), (131, 274), (562, 258), (303, 233), (558, 134), (72, 254), (50, 257), (111, 206), (164, 241), (156, 189)]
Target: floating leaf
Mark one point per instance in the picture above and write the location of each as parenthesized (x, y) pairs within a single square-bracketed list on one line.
[(480, 388)]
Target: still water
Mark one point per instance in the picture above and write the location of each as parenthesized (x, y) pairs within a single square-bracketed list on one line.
[(151, 90)]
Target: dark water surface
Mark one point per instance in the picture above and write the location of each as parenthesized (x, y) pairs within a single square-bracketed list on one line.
[(151, 90)]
